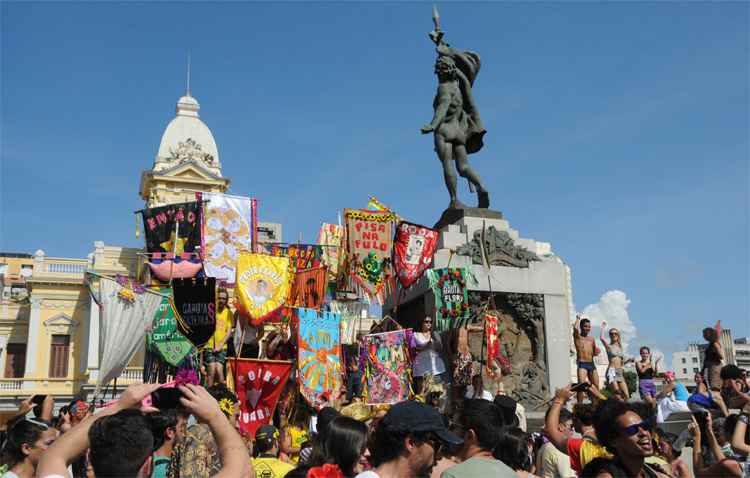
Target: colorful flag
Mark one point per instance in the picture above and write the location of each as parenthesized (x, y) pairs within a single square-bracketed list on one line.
[(164, 337), (319, 360), (227, 231), (388, 370), (175, 228), (258, 384), (451, 297), (195, 302), (301, 256), (330, 237), (262, 286), (309, 288), (369, 245), (413, 249), (127, 311)]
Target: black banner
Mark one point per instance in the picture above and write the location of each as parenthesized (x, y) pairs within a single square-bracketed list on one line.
[(159, 225), (195, 301)]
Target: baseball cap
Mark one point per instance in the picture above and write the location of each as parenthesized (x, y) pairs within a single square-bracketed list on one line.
[(266, 432), (411, 416)]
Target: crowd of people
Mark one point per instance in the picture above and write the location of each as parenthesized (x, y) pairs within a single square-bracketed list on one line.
[(476, 432)]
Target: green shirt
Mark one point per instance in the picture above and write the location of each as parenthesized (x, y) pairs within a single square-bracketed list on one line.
[(480, 468)]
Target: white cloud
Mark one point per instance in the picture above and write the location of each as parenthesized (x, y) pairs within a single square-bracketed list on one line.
[(613, 308)]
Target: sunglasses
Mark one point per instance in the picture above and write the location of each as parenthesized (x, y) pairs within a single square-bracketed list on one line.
[(633, 429)]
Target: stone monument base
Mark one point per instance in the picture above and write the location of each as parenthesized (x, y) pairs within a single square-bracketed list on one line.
[(531, 292)]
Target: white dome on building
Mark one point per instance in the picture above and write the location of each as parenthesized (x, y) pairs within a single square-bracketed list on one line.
[(187, 138)]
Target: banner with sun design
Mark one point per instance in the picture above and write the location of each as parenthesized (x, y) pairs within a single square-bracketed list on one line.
[(319, 360), (262, 286), (227, 231), (174, 228), (369, 244), (387, 370)]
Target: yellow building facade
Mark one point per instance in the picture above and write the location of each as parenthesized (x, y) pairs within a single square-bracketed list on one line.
[(49, 325)]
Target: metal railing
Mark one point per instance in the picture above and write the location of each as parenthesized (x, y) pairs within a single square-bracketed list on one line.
[(31, 385)]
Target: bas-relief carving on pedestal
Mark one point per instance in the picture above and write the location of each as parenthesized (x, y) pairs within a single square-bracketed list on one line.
[(523, 342), (500, 248)]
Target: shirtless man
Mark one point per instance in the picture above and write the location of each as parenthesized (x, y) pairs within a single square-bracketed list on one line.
[(586, 349)]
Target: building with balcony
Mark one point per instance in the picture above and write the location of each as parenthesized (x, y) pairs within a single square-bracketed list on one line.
[(742, 352), (49, 325)]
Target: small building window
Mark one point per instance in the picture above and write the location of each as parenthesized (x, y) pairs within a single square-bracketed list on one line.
[(695, 359), (683, 359), (59, 352), (15, 361), (695, 370), (684, 371)]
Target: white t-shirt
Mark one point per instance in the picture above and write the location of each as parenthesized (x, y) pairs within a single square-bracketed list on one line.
[(552, 463), (368, 474), (428, 361)]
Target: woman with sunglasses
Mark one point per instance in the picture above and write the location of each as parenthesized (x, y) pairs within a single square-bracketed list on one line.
[(429, 360), (627, 435), (27, 439), (616, 356)]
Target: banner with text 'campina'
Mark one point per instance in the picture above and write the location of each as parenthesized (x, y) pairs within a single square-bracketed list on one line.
[(258, 384), (195, 301), (160, 224)]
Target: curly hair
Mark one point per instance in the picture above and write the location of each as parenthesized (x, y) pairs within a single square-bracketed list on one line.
[(605, 420), (710, 334)]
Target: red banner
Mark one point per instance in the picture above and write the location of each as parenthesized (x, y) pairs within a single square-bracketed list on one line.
[(258, 384), (413, 250)]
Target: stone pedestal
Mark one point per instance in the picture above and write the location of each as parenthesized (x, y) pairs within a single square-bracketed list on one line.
[(532, 291)]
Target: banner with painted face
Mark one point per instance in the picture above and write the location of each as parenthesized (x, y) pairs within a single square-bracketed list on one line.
[(309, 288), (369, 243), (262, 286), (319, 360), (258, 384), (164, 337), (451, 297), (388, 370), (228, 230), (413, 249), (195, 301)]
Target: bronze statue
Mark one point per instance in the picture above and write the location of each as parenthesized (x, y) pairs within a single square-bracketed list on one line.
[(456, 124)]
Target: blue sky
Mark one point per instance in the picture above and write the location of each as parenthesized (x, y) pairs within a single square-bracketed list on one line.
[(617, 131)]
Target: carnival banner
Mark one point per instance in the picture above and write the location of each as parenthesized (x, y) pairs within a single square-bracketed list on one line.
[(388, 369), (164, 337), (319, 360), (301, 256), (127, 311), (258, 384), (167, 266), (368, 249), (329, 238), (175, 228), (262, 286), (451, 297), (228, 230), (309, 288), (195, 301), (413, 249), (351, 318)]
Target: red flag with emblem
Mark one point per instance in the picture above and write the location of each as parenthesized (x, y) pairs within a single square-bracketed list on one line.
[(258, 384), (412, 251)]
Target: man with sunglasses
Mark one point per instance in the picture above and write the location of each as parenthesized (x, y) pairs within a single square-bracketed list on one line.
[(408, 441), (627, 435)]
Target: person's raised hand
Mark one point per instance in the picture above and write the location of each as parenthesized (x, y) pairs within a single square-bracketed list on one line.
[(694, 429), (563, 394), (134, 395), (25, 406), (200, 403)]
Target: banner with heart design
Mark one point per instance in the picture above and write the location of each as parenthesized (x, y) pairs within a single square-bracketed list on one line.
[(258, 384)]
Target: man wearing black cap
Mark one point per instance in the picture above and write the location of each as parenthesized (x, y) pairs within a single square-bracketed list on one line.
[(408, 441), (266, 461)]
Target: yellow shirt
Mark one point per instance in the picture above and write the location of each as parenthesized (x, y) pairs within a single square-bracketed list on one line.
[(269, 467), (298, 436), (223, 326)]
